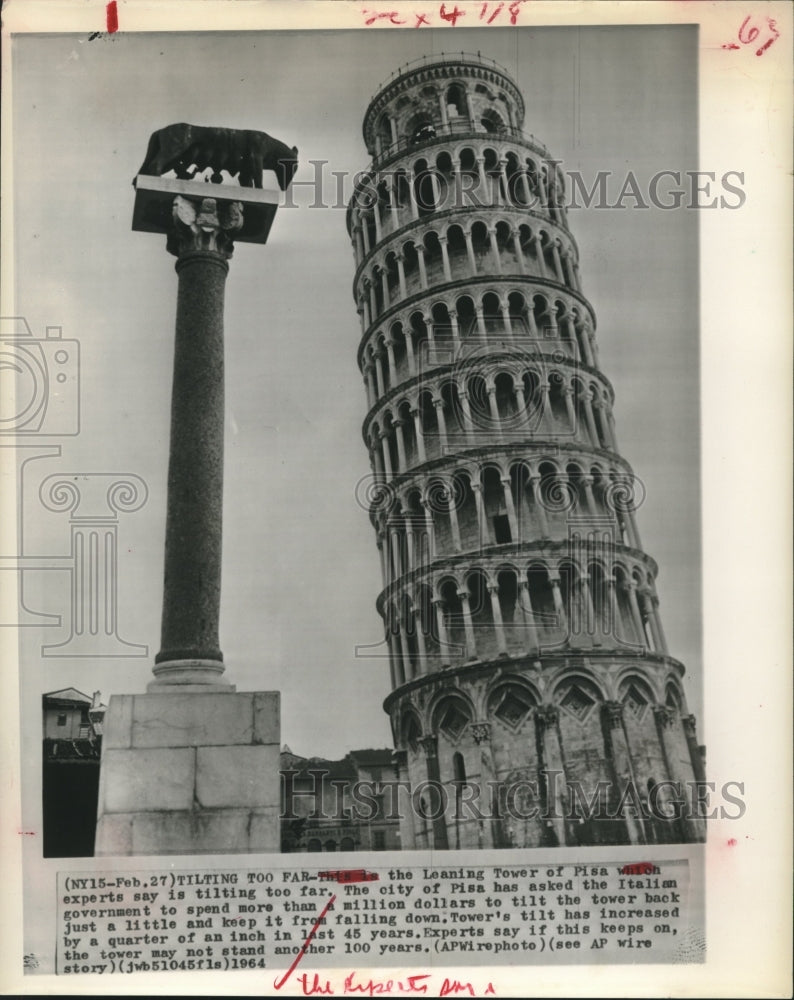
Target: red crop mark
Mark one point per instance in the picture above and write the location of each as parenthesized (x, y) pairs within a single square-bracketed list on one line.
[(112, 16), (732, 842), (26, 833), (344, 876), (278, 983)]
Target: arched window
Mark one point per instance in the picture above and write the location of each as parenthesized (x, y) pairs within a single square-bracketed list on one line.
[(347, 844), (330, 845), (314, 845), (492, 121), (456, 102)]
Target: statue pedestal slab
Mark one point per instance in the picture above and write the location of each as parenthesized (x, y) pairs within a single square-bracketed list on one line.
[(188, 772)]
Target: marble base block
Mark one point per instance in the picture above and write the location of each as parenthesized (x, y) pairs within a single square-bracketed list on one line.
[(190, 773)]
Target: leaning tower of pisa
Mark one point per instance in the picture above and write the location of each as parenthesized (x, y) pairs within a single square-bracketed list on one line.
[(533, 700)]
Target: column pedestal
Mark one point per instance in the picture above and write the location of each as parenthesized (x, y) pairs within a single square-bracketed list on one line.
[(190, 773)]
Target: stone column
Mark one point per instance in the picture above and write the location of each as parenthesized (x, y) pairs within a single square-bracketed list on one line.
[(403, 803), (420, 642), (201, 239), (468, 624), (420, 256), (442, 424), (631, 590), (537, 500), (646, 604), (495, 248), (445, 258), (518, 251), (510, 506), (492, 835), (499, 625), (666, 718), (430, 747), (482, 520), (470, 251), (525, 603), (401, 458), (620, 758), (401, 276), (559, 607), (694, 750), (552, 771), (419, 434), (443, 638), (539, 254)]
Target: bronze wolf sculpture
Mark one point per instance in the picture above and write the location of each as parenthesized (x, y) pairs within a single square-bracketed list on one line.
[(239, 151)]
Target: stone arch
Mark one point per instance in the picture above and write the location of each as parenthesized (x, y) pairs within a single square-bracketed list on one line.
[(511, 703), (451, 713), (410, 729)]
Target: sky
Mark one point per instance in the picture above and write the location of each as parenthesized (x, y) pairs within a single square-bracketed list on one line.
[(301, 570)]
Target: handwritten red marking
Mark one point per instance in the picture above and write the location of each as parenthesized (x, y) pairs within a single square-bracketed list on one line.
[(347, 875), (732, 842), (314, 987), (748, 34), (112, 16), (638, 868), (391, 15), (451, 987), (26, 833), (372, 987), (278, 983), (420, 20), (451, 16)]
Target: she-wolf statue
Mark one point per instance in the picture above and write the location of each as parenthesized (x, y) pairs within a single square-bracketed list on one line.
[(238, 151)]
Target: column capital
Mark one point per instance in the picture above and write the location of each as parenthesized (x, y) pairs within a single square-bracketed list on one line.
[(689, 723), (664, 715), (547, 716), (430, 746), (204, 224), (481, 731), (613, 713)]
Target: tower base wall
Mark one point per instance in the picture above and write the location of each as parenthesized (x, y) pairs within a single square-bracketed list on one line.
[(190, 773)]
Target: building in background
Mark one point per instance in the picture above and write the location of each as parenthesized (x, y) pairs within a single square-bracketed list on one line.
[(72, 726), (521, 619), (338, 805)]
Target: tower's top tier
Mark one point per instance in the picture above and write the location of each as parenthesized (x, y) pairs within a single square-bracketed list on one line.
[(441, 94)]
